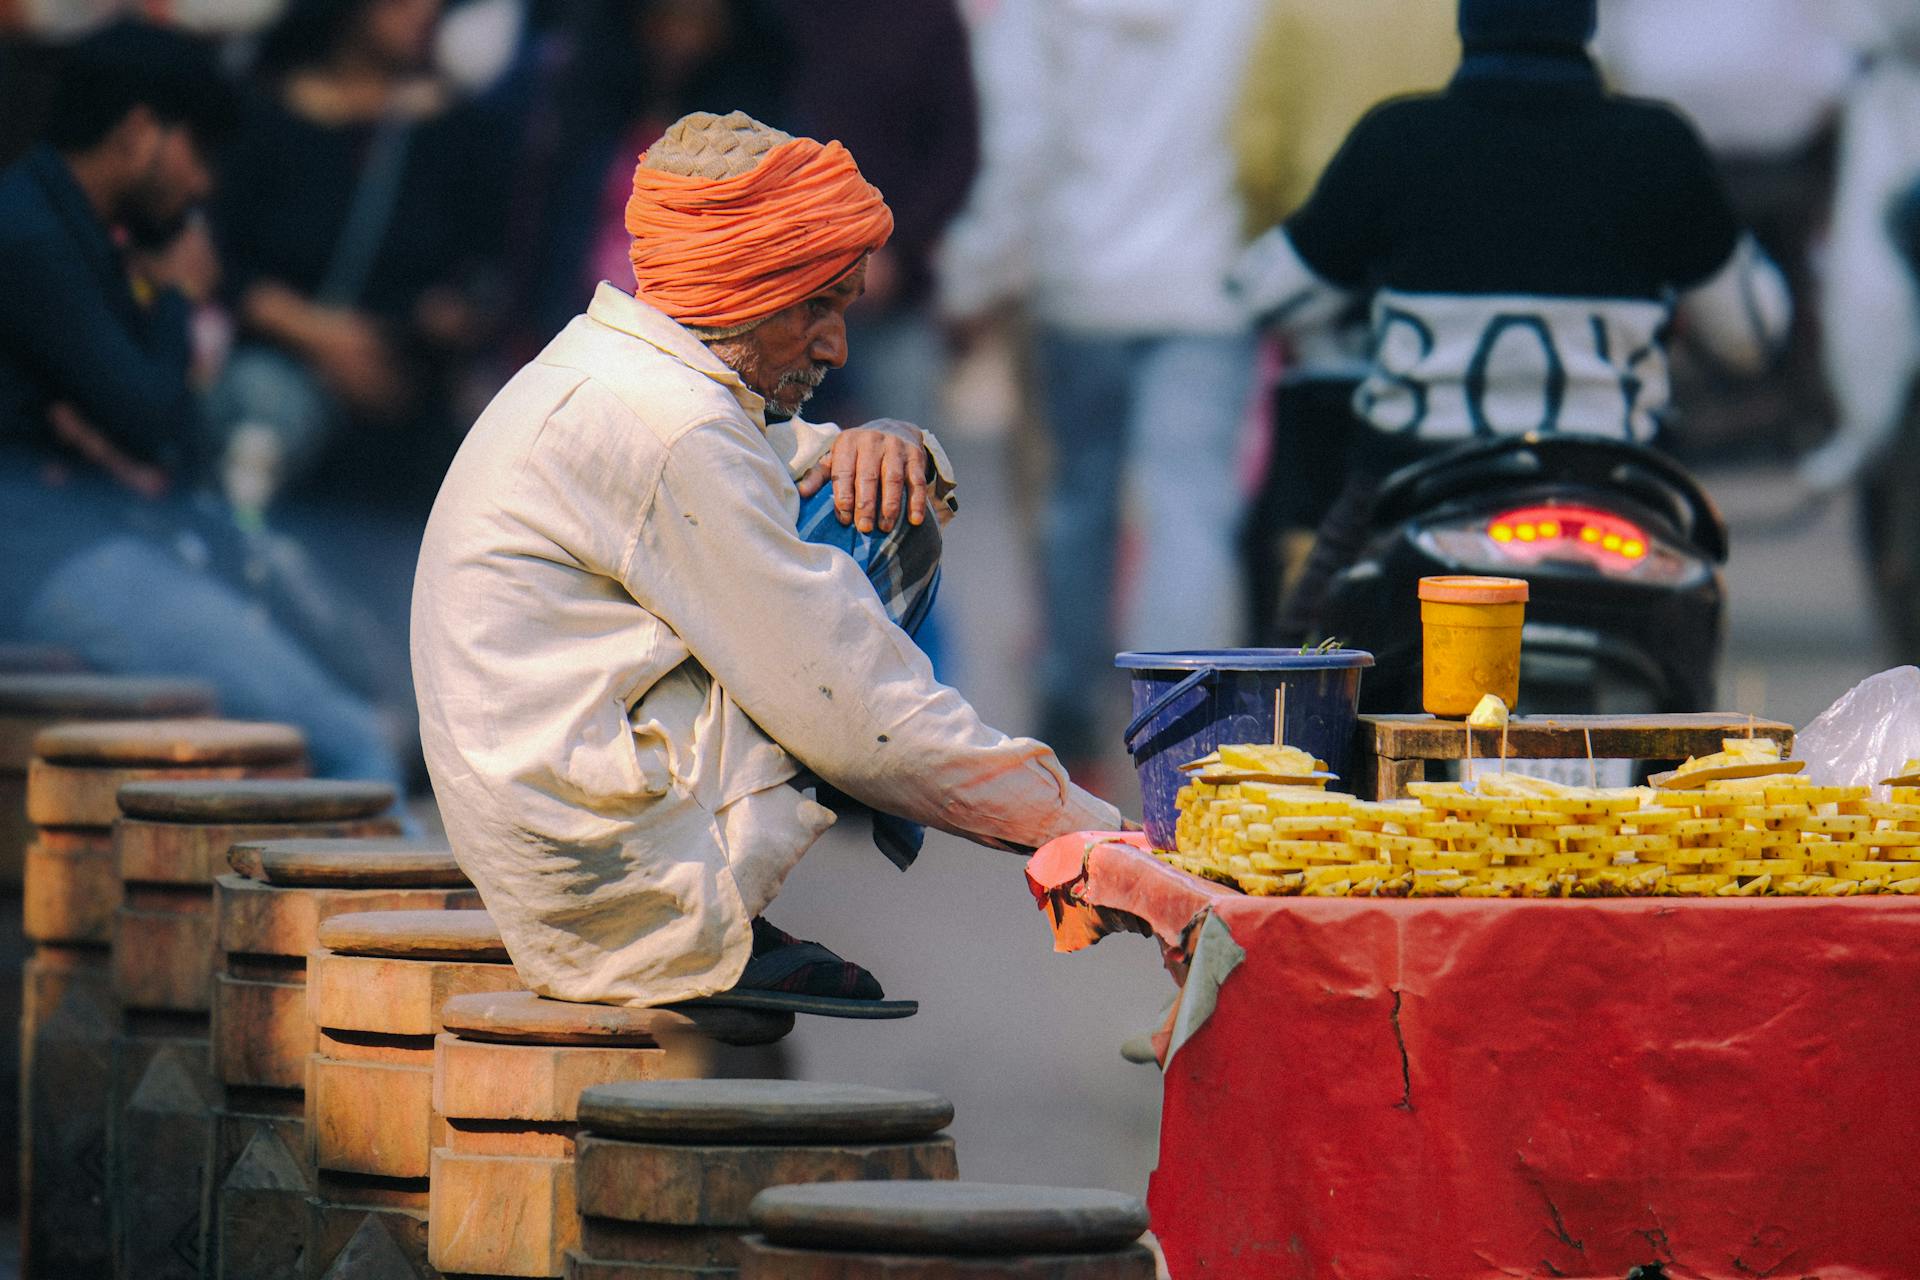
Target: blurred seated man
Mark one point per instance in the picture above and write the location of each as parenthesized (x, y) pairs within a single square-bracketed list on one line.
[(101, 552), (651, 614)]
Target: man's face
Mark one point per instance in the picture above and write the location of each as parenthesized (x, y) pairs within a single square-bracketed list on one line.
[(786, 356), (171, 181)]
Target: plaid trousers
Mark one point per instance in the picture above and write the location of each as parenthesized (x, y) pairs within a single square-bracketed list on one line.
[(904, 567)]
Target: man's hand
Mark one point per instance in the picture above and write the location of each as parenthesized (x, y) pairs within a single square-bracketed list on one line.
[(346, 347), (354, 357), (190, 264), (71, 428), (876, 470)]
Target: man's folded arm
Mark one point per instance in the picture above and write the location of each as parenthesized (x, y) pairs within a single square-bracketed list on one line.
[(797, 636)]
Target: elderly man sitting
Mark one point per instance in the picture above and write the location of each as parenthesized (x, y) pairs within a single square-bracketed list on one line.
[(648, 619)]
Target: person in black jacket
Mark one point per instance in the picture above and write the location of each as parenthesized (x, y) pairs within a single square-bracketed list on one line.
[(103, 549), (1526, 241)]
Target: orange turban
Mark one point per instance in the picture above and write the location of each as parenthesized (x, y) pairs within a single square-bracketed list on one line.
[(721, 253)]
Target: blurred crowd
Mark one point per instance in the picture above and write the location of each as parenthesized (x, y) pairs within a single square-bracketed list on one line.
[(373, 211)]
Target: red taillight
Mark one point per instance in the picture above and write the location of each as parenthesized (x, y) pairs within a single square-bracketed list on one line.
[(1598, 534)]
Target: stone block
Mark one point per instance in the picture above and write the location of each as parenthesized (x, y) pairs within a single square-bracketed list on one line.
[(692, 1248), (71, 795), (390, 995), (72, 887), (68, 1028), (29, 702), (416, 935), (16, 742), (359, 864), (303, 801), (16, 832), (366, 1229), (711, 1186), (475, 1079), (265, 919), (501, 1215), (193, 853), (260, 1031), (581, 1265), (370, 1117), (769, 1112), (941, 1218), (257, 1229), (762, 1261), (160, 1145), (239, 1121), (383, 1246), (165, 953), (521, 1017), (245, 743), (163, 949)]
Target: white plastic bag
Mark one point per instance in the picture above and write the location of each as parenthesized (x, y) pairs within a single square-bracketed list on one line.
[(1868, 734)]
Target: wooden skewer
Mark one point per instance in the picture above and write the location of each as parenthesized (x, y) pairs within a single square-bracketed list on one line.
[(1749, 726), (1503, 748), (1280, 716), (1593, 774), (1469, 777)]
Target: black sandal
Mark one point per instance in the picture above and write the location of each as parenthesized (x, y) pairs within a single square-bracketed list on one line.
[(788, 975)]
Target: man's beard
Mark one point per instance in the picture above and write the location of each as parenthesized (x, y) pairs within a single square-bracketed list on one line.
[(808, 380), (742, 355)]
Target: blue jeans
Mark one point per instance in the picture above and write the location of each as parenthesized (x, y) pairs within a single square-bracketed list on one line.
[(132, 607), (1162, 416), (904, 568)]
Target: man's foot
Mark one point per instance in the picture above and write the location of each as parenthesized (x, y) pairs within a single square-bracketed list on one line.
[(789, 975), (782, 962)]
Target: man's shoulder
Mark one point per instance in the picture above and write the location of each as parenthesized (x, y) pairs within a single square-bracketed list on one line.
[(1403, 114), (660, 392)]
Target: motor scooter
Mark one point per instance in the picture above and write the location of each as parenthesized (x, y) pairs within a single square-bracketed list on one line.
[(1621, 548)]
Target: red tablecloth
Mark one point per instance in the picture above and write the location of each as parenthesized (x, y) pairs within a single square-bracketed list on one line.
[(1391, 1090)]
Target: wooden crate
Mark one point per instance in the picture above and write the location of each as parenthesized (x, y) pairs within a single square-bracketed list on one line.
[(1391, 751)]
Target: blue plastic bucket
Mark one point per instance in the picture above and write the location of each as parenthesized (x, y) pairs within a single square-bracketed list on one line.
[(1187, 704)]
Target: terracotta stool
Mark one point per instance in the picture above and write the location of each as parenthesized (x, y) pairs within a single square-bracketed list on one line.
[(667, 1169), (70, 1017), (171, 842), (376, 986), (268, 911), (945, 1231), (507, 1076)]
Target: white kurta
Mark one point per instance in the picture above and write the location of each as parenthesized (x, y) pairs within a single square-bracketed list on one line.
[(623, 653)]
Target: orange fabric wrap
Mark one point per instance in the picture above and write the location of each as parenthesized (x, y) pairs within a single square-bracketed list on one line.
[(722, 253)]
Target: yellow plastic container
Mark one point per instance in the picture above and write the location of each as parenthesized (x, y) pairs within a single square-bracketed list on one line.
[(1471, 642)]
